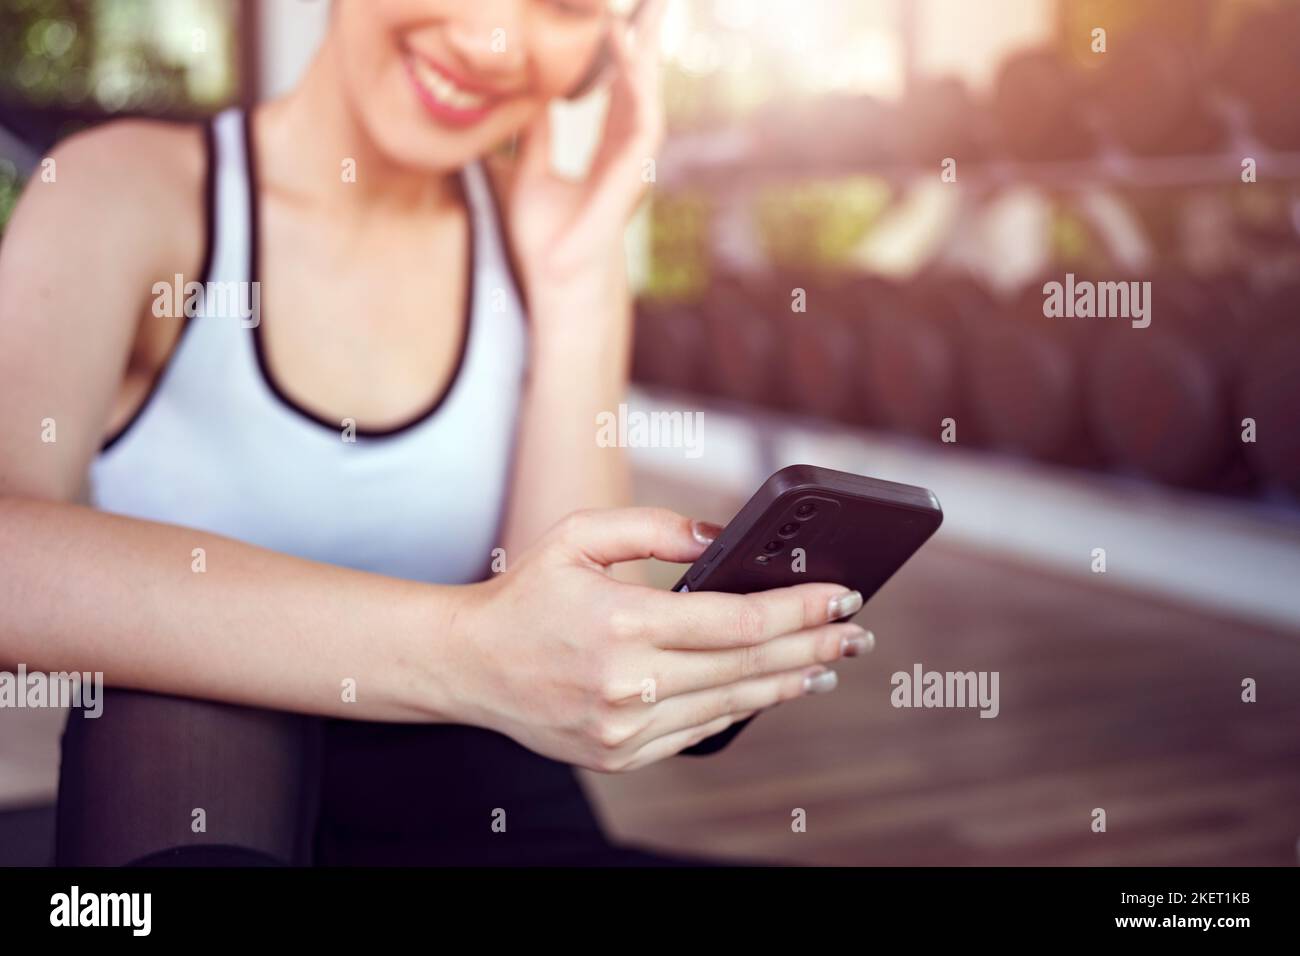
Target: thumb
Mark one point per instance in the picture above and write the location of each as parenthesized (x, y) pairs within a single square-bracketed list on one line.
[(535, 151), (607, 537)]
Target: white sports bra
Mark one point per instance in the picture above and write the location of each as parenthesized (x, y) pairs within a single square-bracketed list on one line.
[(218, 446)]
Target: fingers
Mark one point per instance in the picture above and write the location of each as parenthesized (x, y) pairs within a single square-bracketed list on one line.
[(674, 743), (634, 121), (628, 534), (707, 620), (685, 671), (534, 159), (681, 718), (706, 706), (646, 30), (637, 13)]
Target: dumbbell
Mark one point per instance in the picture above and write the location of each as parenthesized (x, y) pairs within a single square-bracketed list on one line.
[(1038, 104), (1027, 379), (913, 374), (822, 351), (742, 340), (1154, 98), (1262, 68), (940, 119), (1160, 398), (1269, 389), (669, 348)]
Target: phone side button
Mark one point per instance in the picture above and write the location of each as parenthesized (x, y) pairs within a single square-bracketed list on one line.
[(706, 561)]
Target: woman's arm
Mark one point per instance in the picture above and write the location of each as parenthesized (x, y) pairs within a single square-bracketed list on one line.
[(576, 370), (85, 591), (569, 239)]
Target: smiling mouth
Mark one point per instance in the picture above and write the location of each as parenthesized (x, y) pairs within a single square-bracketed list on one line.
[(443, 96)]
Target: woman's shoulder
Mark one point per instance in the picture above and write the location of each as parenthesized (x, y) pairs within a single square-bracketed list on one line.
[(135, 187), (125, 162), (107, 212)]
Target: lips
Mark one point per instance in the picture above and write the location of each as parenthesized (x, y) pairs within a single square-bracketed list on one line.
[(446, 99)]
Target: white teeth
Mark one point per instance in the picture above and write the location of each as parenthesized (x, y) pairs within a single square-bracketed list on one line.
[(444, 90)]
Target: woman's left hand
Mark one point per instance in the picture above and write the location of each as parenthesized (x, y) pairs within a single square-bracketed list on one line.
[(564, 231)]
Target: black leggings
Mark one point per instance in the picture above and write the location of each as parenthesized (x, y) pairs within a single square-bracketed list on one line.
[(159, 780)]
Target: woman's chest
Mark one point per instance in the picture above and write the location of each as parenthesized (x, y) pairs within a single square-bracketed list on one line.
[(222, 445), (368, 324), (215, 449)]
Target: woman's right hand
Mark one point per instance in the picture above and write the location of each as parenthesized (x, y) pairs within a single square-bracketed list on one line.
[(580, 667)]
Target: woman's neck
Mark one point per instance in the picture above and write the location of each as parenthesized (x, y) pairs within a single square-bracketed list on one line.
[(308, 136)]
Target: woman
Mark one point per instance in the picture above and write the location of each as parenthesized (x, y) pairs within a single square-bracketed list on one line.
[(302, 479)]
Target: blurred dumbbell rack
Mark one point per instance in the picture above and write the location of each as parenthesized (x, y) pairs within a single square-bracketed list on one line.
[(1048, 458), (722, 167), (728, 163)]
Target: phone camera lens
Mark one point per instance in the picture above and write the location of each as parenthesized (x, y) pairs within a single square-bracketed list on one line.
[(789, 529), (773, 547), (805, 510)]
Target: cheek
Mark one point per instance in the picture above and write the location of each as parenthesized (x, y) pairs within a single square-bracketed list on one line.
[(368, 53), (563, 58)]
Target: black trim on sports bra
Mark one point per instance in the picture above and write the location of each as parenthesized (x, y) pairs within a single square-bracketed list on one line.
[(205, 273), (259, 345)]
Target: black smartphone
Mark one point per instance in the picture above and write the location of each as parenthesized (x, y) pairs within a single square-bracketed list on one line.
[(814, 524)]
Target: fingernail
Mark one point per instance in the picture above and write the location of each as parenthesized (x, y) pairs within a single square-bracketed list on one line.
[(705, 532), (820, 683), (844, 605), (858, 644)]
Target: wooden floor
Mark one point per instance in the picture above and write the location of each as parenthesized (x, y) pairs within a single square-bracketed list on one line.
[(1108, 699)]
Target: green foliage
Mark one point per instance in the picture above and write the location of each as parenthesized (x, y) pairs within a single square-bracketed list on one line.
[(153, 56), (11, 186), (818, 223), (45, 50), (679, 247)]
